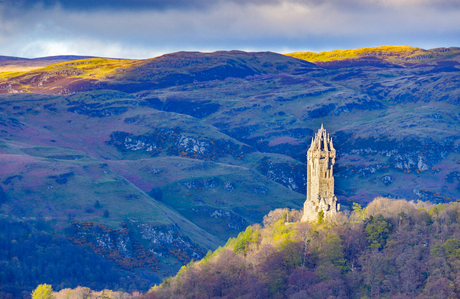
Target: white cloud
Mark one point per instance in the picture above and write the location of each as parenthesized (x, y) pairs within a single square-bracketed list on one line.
[(85, 47)]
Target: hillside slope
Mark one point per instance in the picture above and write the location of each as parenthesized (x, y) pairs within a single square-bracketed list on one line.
[(150, 163)]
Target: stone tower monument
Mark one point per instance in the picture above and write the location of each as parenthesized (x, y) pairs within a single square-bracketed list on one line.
[(320, 179)]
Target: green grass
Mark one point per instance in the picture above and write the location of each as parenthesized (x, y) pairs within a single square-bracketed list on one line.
[(182, 199)]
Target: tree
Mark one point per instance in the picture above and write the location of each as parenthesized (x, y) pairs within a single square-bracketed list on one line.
[(320, 217), (359, 211), (377, 232), (244, 239), (333, 250), (452, 248), (43, 291), (274, 216)]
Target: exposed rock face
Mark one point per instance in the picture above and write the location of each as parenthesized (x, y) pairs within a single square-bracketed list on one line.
[(320, 184), (125, 249), (118, 245)]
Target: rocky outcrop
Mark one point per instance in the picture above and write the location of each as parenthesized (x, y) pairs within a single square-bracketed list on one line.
[(368, 105), (122, 247), (290, 175), (198, 109), (167, 240), (118, 245), (205, 183), (62, 178), (387, 179), (426, 195), (406, 155), (174, 143), (232, 220)]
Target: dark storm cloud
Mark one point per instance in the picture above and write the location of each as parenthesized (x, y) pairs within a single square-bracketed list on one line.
[(142, 28), (91, 5)]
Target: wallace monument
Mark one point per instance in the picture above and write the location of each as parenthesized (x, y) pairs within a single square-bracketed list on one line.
[(320, 179)]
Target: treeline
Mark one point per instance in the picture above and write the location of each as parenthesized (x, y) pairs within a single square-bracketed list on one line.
[(390, 249), (30, 255)]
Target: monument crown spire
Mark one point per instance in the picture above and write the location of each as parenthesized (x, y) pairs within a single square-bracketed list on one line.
[(320, 179)]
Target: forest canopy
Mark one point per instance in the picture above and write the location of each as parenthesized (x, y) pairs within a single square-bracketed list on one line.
[(392, 248), (389, 249)]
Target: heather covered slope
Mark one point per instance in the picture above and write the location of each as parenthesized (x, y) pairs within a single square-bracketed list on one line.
[(150, 163)]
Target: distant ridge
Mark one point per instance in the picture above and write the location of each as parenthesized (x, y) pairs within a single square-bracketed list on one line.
[(394, 54), (9, 58), (53, 58)]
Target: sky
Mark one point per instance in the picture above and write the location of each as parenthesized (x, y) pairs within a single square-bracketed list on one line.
[(149, 28)]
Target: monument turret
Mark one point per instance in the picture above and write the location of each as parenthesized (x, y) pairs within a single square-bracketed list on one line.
[(320, 179)]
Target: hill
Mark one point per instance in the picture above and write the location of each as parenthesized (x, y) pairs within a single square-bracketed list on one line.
[(151, 163)]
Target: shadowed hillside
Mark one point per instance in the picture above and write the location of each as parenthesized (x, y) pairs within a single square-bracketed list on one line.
[(151, 163)]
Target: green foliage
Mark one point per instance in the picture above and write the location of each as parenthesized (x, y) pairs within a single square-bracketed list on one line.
[(276, 283), (185, 267), (43, 291), (165, 283), (424, 215), (436, 249), (436, 209), (452, 248), (292, 254), (359, 211), (207, 257), (281, 233), (377, 232), (320, 217), (333, 250), (210, 254), (244, 239)]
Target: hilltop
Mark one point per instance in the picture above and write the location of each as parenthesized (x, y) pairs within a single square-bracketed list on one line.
[(148, 164)]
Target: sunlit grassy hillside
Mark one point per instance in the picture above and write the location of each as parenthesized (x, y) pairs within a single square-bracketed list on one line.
[(95, 68), (393, 53)]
